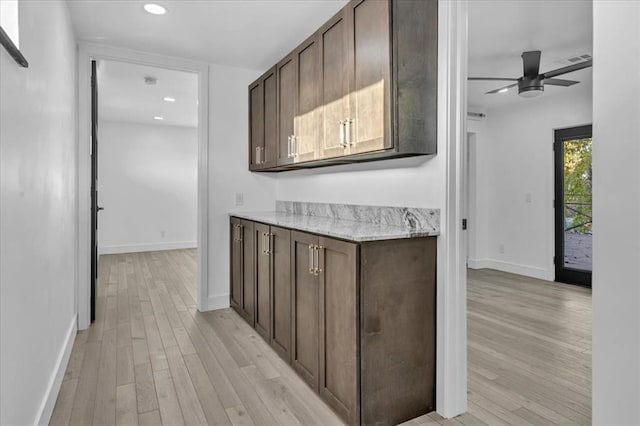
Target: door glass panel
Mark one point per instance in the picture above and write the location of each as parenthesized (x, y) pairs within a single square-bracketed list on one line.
[(577, 204)]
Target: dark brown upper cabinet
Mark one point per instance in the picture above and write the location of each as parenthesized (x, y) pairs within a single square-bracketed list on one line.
[(363, 87), (334, 49), (307, 119), (263, 122), (286, 112), (368, 126)]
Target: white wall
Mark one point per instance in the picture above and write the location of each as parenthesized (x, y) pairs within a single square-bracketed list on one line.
[(514, 157), (37, 213), (228, 171), (147, 184), (616, 210), (476, 206)]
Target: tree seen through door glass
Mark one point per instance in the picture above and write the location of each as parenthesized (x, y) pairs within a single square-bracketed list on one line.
[(578, 177)]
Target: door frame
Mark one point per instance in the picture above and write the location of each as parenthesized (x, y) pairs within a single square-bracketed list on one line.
[(451, 342), (91, 51), (562, 274)]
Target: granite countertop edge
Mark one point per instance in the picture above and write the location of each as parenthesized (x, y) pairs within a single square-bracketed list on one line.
[(339, 228)]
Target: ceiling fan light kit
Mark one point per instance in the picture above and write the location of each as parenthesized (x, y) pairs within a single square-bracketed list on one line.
[(531, 84), (530, 88)]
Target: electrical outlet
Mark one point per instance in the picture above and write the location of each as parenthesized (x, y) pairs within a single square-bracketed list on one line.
[(239, 199), (163, 234), (501, 248), (527, 197)]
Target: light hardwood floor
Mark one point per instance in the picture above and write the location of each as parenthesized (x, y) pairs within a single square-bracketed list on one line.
[(529, 352), (151, 358)]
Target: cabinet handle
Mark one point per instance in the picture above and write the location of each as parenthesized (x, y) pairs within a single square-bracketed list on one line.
[(342, 134), (294, 146), (257, 155), (288, 146), (311, 257), (240, 233), (266, 243), (347, 125), (317, 270)]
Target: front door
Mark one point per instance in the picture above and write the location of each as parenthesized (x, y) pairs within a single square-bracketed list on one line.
[(573, 212)]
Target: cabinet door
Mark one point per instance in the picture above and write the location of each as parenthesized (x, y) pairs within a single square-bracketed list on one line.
[(262, 280), (248, 266), (334, 47), (236, 265), (286, 76), (270, 146), (370, 86), (281, 292), (256, 124), (338, 374), (304, 315), (307, 119)]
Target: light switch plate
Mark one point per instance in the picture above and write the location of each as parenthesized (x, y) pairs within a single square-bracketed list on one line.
[(239, 199)]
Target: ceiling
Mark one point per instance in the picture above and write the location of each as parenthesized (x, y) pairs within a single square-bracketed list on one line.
[(251, 34), (124, 96), (499, 31), (254, 34)]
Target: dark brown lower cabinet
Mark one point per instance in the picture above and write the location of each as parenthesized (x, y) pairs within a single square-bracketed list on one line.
[(338, 284), (281, 292), (236, 264), (262, 253), (304, 307), (355, 320), (242, 269)]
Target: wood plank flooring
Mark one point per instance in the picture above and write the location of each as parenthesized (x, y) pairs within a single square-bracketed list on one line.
[(151, 358), (529, 353)]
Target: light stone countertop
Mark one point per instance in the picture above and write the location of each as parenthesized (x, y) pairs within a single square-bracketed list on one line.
[(352, 230)]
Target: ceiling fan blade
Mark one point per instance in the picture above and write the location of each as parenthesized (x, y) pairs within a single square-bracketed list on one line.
[(570, 68), (501, 89), (560, 82), (531, 63), (491, 79)]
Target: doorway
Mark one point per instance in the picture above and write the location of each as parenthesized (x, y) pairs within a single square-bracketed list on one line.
[(88, 53), (573, 212), (144, 165)]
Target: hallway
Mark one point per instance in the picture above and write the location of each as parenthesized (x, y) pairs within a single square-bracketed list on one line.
[(152, 358)]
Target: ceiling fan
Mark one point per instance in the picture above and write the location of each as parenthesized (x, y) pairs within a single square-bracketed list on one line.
[(531, 84)]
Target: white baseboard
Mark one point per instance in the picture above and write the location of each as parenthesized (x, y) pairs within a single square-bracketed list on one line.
[(219, 301), (137, 248), (514, 268), (50, 396)]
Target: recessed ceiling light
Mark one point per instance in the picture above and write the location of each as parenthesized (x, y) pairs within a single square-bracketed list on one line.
[(169, 99), (157, 117), (506, 89), (155, 9)]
